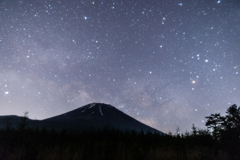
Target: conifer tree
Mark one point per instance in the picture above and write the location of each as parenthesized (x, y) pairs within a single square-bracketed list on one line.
[(23, 122)]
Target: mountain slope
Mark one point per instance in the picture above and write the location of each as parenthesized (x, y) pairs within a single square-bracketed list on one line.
[(98, 115)]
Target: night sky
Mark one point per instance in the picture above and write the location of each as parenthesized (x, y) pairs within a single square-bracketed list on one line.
[(167, 63)]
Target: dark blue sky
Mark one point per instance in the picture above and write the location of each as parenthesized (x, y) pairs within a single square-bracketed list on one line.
[(167, 63)]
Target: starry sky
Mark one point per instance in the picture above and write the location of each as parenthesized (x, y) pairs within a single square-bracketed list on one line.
[(167, 63)]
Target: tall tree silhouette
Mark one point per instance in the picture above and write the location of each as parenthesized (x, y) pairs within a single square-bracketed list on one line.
[(215, 124), (227, 129), (23, 123), (219, 125), (233, 117)]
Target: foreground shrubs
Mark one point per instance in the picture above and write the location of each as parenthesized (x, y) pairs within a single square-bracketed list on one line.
[(107, 143)]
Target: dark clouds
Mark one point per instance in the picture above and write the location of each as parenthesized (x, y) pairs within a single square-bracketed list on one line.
[(166, 63)]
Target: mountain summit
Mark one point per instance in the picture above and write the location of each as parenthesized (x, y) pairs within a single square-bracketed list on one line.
[(92, 110), (96, 116)]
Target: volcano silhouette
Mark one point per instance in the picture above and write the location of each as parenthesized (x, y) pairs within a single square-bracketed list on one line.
[(93, 116)]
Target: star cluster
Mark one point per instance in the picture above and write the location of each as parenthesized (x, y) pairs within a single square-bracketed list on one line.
[(165, 63)]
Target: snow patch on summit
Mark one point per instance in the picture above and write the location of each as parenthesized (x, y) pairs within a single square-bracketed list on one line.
[(100, 110), (91, 106)]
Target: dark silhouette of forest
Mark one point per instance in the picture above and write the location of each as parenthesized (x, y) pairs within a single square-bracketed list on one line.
[(221, 140)]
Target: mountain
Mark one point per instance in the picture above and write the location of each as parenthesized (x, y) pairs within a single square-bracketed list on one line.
[(92, 117)]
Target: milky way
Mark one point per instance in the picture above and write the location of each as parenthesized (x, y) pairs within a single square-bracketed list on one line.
[(167, 63)]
